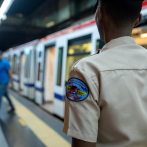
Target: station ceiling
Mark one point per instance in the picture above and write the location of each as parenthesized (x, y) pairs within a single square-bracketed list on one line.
[(28, 20)]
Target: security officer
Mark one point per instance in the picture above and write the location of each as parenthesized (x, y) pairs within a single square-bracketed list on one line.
[(107, 93)]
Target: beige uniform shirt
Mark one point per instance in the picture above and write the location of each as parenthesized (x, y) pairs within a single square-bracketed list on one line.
[(114, 111)]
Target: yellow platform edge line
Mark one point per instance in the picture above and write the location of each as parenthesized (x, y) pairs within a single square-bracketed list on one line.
[(46, 134), (21, 121)]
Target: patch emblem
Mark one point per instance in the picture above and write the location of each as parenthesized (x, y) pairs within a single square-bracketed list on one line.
[(76, 90)]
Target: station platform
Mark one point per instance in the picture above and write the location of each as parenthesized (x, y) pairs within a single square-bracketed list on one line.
[(30, 126)]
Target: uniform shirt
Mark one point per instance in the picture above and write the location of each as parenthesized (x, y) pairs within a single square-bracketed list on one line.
[(4, 75), (107, 96)]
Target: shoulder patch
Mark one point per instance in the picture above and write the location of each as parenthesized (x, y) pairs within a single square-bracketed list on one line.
[(76, 90)]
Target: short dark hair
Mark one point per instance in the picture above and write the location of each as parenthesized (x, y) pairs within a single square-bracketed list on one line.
[(122, 11)]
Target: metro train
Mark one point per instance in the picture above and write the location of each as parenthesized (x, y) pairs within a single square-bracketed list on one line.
[(41, 67)]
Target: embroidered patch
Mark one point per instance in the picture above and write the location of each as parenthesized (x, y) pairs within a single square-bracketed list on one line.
[(76, 90)]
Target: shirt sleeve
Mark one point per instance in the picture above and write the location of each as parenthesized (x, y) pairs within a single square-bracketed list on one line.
[(81, 117), (7, 66)]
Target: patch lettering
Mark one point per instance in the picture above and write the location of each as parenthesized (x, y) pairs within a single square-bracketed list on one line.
[(76, 90)]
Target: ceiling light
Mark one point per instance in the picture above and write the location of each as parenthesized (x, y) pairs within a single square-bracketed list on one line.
[(50, 24), (4, 17), (143, 35), (5, 7)]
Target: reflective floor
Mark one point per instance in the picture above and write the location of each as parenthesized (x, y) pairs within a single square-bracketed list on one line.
[(30, 126)]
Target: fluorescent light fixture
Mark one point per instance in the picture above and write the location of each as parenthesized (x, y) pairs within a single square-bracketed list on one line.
[(50, 24), (4, 17), (143, 35), (4, 8)]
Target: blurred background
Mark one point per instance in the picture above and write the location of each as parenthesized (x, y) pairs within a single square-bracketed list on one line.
[(28, 20), (42, 39)]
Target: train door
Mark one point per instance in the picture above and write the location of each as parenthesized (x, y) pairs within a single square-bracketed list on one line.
[(49, 74), (29, 90), (15, 70), (77, 49), (59, 88), (22, 72), (39, 89), (26, 73), (68, 52)]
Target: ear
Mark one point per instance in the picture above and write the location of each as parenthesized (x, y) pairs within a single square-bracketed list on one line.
[(100, 14), (138, 21)]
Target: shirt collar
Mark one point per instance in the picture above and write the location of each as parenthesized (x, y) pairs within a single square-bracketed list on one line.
[(119, 42)]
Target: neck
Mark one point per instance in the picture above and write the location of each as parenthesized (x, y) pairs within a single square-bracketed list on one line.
[(115, 32)]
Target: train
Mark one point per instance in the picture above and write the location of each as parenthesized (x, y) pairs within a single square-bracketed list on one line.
[(41, 67)]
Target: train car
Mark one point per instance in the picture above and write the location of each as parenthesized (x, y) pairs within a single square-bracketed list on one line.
[(22, 60), (55, 55), (40, 69)]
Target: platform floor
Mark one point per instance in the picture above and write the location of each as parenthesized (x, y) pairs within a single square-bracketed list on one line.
[(3, 141), (30, 126)]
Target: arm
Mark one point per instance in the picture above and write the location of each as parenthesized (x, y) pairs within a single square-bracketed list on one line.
[(81, 118), (10, 75), (80, 143)]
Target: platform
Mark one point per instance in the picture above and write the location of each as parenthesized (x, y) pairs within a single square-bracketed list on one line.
[(30, 126), (3, 141)]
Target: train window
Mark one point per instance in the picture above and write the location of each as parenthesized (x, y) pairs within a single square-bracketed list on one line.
[(14, 64), (60, 61), (99, 44), (38, 71), (39, 54), (9, 59), (11, 62), (145, 46), (17, 66), (27, 64), (77, 49)]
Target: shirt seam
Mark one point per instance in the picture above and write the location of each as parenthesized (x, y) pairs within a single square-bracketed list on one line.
[(115, 70)]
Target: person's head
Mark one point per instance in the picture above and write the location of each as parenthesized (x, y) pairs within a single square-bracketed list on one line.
[(121, 14), (1, 55)]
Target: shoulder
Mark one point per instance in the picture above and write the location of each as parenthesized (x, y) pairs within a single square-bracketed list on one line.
[(90, 65), (126, 57), (5, 61)]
